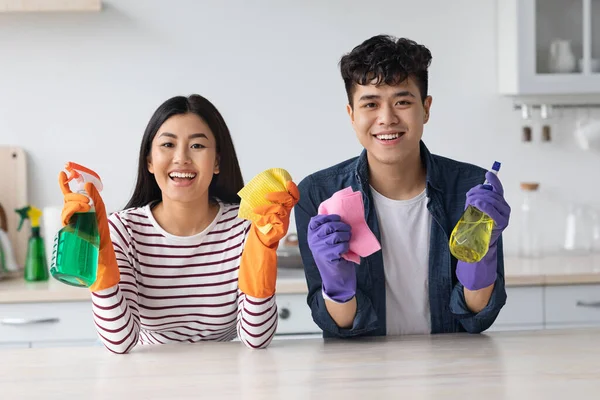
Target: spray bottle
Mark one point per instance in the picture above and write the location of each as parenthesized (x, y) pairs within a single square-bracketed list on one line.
[(36, 268), (9, 262), (7, 256), (470, 238), (3, 267), (76, 246)]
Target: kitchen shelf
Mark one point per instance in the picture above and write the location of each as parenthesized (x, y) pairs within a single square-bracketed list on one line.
[(9, 6)]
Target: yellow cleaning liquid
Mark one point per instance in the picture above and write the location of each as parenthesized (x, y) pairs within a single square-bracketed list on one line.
[(470, 238)]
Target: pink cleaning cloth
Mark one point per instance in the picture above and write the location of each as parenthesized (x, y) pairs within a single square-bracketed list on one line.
[(350, 207)]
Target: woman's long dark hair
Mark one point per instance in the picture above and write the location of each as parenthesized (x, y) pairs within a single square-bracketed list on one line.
[(225, 185)]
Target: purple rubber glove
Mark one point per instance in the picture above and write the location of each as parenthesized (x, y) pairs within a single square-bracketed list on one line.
[(328, 239), (490, 200)]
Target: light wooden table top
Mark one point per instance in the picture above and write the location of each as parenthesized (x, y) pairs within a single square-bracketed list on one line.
[(563, 364)]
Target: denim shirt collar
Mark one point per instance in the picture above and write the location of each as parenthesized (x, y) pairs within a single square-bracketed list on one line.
[(433, 173)]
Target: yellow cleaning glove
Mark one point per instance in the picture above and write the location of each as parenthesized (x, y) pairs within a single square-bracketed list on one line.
[(253, 194), (258, 266)]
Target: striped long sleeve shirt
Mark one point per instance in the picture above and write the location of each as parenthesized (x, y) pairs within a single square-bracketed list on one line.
[(179, 289)]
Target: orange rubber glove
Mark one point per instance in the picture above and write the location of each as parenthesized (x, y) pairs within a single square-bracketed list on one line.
[(258, 266), (107, 274)]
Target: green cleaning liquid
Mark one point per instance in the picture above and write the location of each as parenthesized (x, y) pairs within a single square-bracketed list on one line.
[(36, 269), (75, 253), (470, 238)]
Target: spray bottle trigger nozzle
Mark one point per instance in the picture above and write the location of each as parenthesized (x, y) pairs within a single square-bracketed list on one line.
[(24, 214), (82, 175), (73, 174)]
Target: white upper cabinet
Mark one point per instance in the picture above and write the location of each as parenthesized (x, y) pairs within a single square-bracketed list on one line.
[(548, 47)]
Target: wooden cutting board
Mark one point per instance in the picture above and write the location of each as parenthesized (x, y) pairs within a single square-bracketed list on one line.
[(13, 194)]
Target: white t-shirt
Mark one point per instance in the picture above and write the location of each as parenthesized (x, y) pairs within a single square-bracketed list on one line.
[(405, 228)]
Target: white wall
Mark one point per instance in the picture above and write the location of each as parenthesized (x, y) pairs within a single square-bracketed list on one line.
[(82, 87)]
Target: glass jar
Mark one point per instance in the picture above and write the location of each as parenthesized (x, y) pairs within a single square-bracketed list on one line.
[(578, 238), (530, 234)]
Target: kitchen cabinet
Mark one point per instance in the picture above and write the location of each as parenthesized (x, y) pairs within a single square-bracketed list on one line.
[(294, 315), (33, 323), (17, 345), (550, 307), (49, 5), (548, 47), (524, 309), (572, 306), (71, 323)]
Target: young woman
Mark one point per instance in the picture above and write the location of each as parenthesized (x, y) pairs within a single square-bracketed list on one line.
[(177, 264)]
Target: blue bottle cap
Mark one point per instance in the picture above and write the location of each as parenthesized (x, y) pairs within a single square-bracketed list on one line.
[(496, 166)]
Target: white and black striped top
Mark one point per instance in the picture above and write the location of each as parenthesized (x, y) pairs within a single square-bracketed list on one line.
[(179, 289)]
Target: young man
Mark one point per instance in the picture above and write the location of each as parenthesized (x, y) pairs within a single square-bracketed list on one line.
[(412, 200)]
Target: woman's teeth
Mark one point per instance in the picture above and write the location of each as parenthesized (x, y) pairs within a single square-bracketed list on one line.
[(182, 175)]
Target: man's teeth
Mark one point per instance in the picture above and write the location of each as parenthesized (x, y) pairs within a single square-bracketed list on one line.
[(389, 136), (187, 175)]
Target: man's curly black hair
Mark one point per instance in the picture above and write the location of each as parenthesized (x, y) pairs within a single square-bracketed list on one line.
[(384, 59)]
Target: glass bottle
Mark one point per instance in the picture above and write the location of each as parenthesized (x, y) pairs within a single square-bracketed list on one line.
[(530, 234)]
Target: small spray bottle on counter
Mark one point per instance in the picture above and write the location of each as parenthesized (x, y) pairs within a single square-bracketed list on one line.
[(8, 263), (36, 268), (76, 246), (470, 238)]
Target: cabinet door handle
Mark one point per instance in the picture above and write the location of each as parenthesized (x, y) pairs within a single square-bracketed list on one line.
[(30, 321), (592, 304), (284, 313)]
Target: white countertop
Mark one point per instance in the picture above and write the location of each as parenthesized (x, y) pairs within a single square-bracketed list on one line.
[(552, 364), (518, 272), (552, 270), (17, 290)]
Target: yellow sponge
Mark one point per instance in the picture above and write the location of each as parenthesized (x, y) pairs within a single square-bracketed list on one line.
[(253, 194)]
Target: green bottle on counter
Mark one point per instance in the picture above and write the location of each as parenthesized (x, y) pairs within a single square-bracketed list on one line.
[(36, 268)]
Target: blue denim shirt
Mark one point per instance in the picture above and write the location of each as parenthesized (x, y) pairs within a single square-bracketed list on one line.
[(447, 184)]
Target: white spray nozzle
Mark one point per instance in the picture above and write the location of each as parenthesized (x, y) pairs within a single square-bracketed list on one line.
[(81, 175)]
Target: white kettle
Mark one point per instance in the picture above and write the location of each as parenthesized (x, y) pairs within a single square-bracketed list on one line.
[(562, 60)]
